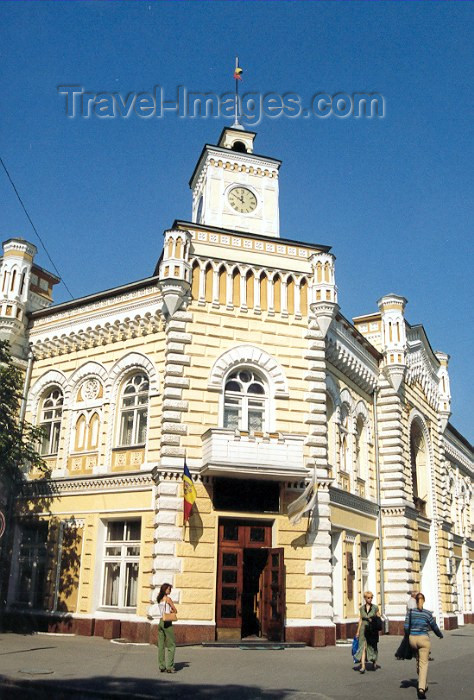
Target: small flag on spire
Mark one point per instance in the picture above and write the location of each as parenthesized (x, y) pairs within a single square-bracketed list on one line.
[(238, 73)]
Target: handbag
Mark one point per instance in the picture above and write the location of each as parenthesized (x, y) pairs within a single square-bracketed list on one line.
[(170, 617), (355, 648), (376, 623), (404, 651)]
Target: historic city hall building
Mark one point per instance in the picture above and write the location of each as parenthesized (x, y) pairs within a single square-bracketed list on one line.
[(234, 356)]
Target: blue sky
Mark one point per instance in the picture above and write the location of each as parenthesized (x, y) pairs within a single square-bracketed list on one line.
[(393, 196)]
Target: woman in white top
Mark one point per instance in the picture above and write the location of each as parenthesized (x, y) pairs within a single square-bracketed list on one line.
[(166, 640)]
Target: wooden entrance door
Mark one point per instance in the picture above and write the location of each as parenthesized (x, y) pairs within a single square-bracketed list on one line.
[(229, 589), (235, 537), (272, 595)]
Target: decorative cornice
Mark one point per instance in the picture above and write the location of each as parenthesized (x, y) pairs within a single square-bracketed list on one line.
[(105, 330), (422, 366), (402, 509), (459, 456), (350, 500), (345, 353), (59, 487)]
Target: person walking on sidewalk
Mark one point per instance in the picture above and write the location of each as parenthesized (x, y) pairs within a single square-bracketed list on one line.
[(166, 642), (367, 643), (421, 622)]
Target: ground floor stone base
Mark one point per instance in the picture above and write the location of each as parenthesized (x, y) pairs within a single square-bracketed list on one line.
[(145, 632), (450, 622), (346, 630)]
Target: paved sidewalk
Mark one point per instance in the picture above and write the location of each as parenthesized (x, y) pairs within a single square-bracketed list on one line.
[(56, 667)]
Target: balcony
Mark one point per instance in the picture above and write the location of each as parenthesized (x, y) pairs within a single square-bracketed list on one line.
[(232, 453)]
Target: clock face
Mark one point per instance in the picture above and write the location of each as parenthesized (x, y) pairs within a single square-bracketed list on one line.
[(242, 200)]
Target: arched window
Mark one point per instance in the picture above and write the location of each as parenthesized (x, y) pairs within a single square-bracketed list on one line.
[(93, 433), (344, 441), (196, 274), (80, 437), (419, 462), (50, 421), (245, 401), (239, 146), (361, 456), (134, 411)]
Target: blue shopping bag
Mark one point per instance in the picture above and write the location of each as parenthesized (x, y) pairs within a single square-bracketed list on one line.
[(355, 648)]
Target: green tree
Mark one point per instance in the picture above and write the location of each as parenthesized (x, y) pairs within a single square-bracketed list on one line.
[(18, 442), (18, 453)]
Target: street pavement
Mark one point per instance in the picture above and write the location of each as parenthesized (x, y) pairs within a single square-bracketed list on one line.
[(47, 667)]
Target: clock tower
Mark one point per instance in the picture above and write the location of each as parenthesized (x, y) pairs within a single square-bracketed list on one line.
[(233, 188)]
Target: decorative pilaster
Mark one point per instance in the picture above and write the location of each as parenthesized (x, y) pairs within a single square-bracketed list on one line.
[(444, 392), (398, 518), (319, 568), (168, 475)]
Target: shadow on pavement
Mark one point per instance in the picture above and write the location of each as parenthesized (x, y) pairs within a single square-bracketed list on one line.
[(106, 687)]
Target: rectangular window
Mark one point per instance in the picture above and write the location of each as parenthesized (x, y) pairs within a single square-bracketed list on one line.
[(121, 564), (256, 415), (32, 565), (364, 564), (232, 414)]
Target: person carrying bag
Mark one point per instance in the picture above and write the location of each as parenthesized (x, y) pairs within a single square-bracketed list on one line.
[(165, 611), (418, 623)]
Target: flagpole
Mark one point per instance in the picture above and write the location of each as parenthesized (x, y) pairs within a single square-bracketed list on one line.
[(236, 118), (184, 521)]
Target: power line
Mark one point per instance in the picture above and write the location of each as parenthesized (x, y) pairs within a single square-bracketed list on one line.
[(34, 227)]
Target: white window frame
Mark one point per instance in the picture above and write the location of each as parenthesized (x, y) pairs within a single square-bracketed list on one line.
[(136, 409), (36, 555), (122, 560), (51, 426), (244, 399)]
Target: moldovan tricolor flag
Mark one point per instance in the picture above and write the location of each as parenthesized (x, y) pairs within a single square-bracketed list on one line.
[(238, 73), (189, 493)]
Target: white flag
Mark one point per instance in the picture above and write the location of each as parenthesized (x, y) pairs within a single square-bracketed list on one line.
[(303, 503)]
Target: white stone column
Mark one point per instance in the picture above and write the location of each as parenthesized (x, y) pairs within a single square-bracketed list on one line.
[(202, 285), (271, 296), (167, 535), (284, 298), (297, 300), (397, 517), (319, 568), (243, 289), (215, 287), (229, 290), (168, 474), (256, 294)]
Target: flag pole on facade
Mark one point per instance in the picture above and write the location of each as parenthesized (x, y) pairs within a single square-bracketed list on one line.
[(304, 503), (237, 77), (189, 495)]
